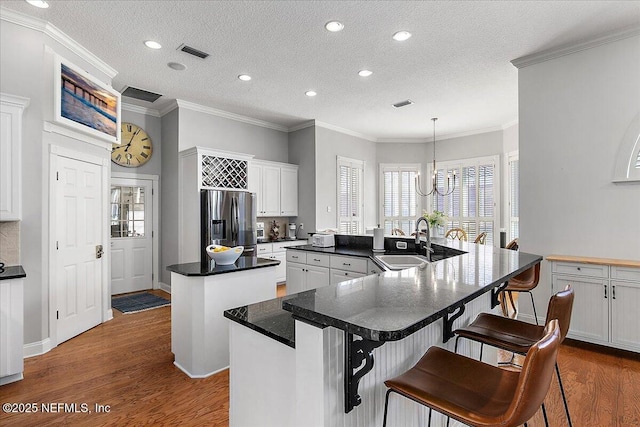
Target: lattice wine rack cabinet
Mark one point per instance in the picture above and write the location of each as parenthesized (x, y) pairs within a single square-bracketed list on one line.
[(223, 172)]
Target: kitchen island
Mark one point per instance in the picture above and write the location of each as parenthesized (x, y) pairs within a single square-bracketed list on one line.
[(200, 292), (320, 357)]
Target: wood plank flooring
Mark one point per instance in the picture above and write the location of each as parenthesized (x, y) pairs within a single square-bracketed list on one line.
[(127, 364)]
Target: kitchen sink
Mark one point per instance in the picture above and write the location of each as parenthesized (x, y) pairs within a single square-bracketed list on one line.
[(400, 262)]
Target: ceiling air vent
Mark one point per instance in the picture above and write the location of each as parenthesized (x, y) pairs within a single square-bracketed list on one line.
[(192, 51), (143, 95), (402, 103)]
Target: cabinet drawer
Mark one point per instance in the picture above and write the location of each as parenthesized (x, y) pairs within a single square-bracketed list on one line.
[(296, 256), (264, 248), (580, 269), (320, 260), (359, 265), (625, 273), (338, 276), (281, 246)]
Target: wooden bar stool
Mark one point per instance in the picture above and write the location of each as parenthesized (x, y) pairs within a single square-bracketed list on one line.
[(476, 393), (518, 336), (456, 233), (482, 237)]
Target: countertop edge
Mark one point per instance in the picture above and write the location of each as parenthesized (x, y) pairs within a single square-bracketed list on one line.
[(12, 272), (595, 260), (259, 329)]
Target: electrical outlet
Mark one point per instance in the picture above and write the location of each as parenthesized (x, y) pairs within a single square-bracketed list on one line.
[(301, 226), (328, 208)]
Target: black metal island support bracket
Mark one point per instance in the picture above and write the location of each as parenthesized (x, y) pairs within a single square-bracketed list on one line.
[(447, 320), (495, 292), (356, 352)]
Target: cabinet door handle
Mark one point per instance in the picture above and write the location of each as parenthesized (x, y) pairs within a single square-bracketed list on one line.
[(346, 274), (605, 291), (344, 263), (613, 289), (293, 256), (578, 268)]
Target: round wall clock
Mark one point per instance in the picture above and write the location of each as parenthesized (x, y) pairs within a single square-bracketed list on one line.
[(135, 148)]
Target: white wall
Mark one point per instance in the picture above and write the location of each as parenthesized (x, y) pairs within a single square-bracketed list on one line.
[(329, 145), (510, 138), (169, 195), (574, 111)]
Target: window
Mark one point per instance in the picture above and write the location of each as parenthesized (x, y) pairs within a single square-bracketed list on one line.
[(350, 196), (513, 188), (400, 204), (472, 206), (127, 211)]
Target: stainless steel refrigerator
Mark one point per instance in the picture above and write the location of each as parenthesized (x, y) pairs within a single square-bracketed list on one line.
[(227, 218)]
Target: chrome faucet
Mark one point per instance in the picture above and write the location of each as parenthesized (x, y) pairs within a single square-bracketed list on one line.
[(427, 249)]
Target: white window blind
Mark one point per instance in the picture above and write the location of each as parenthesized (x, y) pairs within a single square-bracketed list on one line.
[(472, 205), (350, 195), (400, 203)]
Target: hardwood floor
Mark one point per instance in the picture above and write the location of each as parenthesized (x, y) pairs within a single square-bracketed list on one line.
[(127, 364)]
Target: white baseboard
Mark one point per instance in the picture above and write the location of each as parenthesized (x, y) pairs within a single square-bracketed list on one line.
[(207, 375), (11, 379), (109, 315), (165, 287), (529, 318), (37, 348)]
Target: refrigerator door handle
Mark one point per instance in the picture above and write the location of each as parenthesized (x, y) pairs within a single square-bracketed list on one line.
[(234, 219)]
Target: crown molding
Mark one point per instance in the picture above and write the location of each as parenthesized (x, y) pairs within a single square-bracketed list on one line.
[(403, 140), (141, 110), (227, 115), (302, 125), (169, 108), (57, 35), (568, 49), (345, 131)]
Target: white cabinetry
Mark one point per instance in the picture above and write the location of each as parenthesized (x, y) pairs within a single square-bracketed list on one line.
[(11, 330), (11, 109), (347, 268), (278, 252), (607, 297), (276, 186), (306, 271)]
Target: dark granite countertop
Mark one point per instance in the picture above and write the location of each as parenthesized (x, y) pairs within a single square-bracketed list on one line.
[(12, 272), (268, 318), (392, 305), (208, 269)]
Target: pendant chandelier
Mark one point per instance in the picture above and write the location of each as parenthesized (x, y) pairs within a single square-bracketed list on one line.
[(451, 186)]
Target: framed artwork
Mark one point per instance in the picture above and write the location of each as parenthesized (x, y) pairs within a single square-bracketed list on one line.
[(84, 103)]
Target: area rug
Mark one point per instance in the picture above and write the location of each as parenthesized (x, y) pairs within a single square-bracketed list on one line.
[(138, 302)]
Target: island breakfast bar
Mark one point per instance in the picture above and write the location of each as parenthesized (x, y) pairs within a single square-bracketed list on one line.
[(320, 357)]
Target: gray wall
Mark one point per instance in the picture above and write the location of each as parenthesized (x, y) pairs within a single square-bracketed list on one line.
[(574, 111), (206, 130), (152, 125), (27, 70), (302, 148), (329, 145), (467, 147), (510, 138), (169, 194)]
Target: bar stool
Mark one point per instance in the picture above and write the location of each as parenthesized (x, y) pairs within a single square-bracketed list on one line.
[(524, 282), (476, 393), (482, 237), (456, 233), (518, 336)]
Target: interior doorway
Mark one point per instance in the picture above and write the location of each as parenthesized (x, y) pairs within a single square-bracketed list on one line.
[(133, 229)]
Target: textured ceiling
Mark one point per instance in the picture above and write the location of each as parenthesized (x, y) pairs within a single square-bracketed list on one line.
[(455, 67)]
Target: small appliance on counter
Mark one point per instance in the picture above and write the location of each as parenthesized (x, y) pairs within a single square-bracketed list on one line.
[(260, 232), (323, 240), (292, 231)]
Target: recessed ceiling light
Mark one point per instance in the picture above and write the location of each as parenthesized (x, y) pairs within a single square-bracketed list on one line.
[(310, 93), (177, 66), (334, 26), (38, 3), (152, 45), (401, 36), (244, 77), (365, 73)]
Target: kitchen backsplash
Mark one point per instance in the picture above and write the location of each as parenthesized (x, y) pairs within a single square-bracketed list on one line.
[(283, 226), (10, 242)]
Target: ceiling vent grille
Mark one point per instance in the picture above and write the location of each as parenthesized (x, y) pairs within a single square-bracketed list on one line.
[(143, 95), (402, 103), (192, 51)]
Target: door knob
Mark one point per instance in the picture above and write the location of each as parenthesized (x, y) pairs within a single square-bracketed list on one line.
[(99, 251)]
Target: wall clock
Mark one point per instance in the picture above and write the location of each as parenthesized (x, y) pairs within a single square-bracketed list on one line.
[(135, 149)]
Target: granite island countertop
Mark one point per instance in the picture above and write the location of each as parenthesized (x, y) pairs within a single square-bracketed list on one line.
[(210, 268), (12, 272), (392, 305)]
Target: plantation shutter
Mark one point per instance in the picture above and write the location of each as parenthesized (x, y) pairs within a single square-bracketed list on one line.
[(400, 204), (514, 198), (350, 196)]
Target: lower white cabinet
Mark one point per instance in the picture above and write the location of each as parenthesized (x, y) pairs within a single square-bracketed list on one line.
[(303, 277), (277, 251), (338, 276), (607, 297), (11, 330)]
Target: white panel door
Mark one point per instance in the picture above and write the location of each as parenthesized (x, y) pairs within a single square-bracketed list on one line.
[(78, 229), (131, 235)]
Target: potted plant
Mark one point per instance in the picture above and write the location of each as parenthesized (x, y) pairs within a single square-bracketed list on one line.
[(436, 220)]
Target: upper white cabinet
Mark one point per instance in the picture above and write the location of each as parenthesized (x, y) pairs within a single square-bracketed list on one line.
[(11, 109), (276, 186)]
